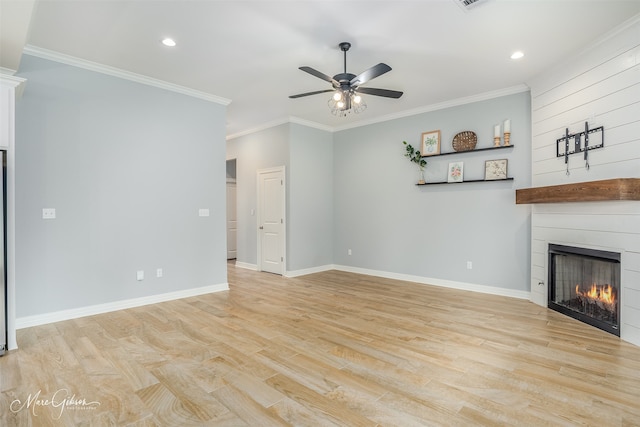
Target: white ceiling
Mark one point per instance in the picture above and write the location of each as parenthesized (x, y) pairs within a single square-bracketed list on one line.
[(249, 51)]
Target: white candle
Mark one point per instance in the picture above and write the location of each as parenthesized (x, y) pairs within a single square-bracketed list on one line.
[(496, 131), (507, 126)]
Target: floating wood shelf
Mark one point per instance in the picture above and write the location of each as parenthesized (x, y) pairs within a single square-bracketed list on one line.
[(594, 191)]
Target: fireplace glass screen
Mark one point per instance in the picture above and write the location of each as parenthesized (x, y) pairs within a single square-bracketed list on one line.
[(585, 284)]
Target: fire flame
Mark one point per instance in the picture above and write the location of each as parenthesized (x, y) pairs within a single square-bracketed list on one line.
[(602, 293)]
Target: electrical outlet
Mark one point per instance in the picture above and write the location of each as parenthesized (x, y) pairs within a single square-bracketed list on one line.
[(139, 275), (469, 265), (348, 251), (159, 272), (48, 213)]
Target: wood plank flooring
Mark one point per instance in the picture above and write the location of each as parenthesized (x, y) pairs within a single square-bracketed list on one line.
[(327, 349)]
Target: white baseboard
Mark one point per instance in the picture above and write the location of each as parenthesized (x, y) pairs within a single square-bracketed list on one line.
[(305, 271), (438, 282), (42, 319), (246, 265)]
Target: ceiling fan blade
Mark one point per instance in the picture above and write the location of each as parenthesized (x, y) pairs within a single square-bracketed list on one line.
[(318, 74), (380, 92), (310, 93), (371, 73)]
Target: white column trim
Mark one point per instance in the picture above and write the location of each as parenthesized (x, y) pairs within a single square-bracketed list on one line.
[(15, 86)]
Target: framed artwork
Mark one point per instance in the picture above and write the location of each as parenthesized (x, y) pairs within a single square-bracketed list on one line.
[(430, 145), (455, 172), (495, 169)]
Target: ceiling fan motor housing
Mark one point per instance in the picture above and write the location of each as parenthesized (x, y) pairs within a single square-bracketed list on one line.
[(344, 79), (344, 46)]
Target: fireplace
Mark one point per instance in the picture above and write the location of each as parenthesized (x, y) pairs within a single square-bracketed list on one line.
[(585, 284)]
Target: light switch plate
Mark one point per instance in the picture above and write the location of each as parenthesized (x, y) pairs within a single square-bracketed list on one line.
[(140, 275), (203, 212)]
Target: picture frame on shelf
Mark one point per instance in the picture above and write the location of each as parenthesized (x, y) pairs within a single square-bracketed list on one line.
[(456, 172), (430, 143), (495, 169)]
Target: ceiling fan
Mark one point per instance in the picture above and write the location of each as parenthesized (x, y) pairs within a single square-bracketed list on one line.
[(346, 86)]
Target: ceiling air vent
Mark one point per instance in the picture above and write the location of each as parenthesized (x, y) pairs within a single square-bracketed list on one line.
[(468, 4)]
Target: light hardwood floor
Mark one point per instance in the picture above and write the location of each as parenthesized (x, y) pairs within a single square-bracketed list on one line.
[(331, 348)]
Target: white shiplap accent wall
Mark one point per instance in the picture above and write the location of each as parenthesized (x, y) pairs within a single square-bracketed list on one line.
[(600, 85)]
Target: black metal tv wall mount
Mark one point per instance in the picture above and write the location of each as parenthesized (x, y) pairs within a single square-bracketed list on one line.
[(579, 143)]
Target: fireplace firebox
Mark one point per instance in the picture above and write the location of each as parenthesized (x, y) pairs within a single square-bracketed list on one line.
[(585, 284)]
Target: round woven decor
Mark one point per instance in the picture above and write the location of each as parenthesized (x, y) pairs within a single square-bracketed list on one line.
[(465, 141)]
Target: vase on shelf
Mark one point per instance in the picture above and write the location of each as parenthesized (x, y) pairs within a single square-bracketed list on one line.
[(421, 176)]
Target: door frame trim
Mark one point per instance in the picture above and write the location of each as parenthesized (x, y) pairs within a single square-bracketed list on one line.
[(235, 185), (283, 237)]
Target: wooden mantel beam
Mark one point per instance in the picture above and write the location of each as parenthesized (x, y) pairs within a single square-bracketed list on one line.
[(593, 191)]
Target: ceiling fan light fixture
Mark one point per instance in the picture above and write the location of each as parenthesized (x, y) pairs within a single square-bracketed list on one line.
[(347, 102), (358, 104)]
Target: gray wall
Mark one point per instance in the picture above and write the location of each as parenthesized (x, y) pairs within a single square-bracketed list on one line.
[(310, 231), (394, 226), (126, 166)]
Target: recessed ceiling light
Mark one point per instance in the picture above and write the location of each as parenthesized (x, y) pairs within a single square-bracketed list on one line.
[(517, 55), (168, 42)]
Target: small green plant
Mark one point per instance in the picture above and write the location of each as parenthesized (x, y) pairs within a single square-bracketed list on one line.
[(414, 155)]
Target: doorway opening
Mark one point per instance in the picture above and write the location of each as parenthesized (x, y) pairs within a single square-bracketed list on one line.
[(232, 211)]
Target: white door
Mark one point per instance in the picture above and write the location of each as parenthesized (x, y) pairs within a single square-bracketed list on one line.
[(271, 224), (232, 222)]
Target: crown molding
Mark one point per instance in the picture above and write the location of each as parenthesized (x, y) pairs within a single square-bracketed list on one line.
[(439, 106), (17, 83), (262, 127), (283, 121), (11, 80), (309, 123), (116, 72), (4, 71), (624, 26), (408, 113)]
